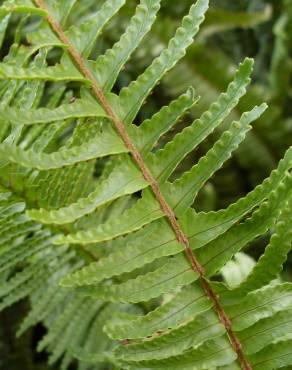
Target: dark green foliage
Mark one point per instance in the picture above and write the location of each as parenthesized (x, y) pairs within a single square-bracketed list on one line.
[(87, 255)]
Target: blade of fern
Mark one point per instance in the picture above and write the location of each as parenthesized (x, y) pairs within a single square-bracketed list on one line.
[(70, 332), (63, 186), (135, 252), (26, 275), (47, 304), (275, 356), (108, 66), (102, 214), (9, 93), (9, 208), (147, 245), (22, 291), (271, 262), (184, 306), (143, 212), (100, 343), (39, 137), (124, 179), (60, 323), (9, 223), (131, 98), (215, 254), (32, 137), (200, 226), (260, 304), (78, 109), (171, 276), (48, 298), (181, 269), (42, 272), (44, 37), (266, 331), (185, 189), (61, 9), (16, 227), (21, 252), (51, 187), (76, 334), (91, 346), (204, 327), (32, 91), (91, 358), (3, 27), (149, 132), (18, 56), (164, 162), (20, 6), (84, 36), (55, 73), (4, 196), (82, 179), (211, 354), (260, 218), (105, 144)]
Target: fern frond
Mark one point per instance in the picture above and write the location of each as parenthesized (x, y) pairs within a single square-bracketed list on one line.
[(142, 213), (173, 274), (183, 306), (20, 6), (143, 269), (84, 36), (57, 328), (108, 66), (46, 305), (260, 304), (273, 356), (271, 262), (207, 356), (132, 97), (148, 133), (55, 73), (78, 109), (137, 250), (165, 161), (215, 254), (205, 326), (113, 187), (184, 191), (105, 144)]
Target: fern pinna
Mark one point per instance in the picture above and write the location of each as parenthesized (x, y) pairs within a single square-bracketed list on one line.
[(119, 266)]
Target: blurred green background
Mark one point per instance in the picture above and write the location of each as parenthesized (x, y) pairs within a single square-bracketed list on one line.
[(261, 29)]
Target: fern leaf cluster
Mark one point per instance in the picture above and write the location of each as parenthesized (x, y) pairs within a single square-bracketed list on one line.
[(118, 265)]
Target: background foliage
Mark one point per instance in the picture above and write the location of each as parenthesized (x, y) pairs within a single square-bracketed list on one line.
[(261, 29)]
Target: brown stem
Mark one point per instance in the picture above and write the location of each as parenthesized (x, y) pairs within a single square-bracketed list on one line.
[(168, 211)]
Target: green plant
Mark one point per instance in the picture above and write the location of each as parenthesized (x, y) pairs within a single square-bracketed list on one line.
[(98, 229)]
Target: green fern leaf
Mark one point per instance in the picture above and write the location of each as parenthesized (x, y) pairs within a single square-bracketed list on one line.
[(165, 161), (143, 262), (113, 187), (78, 109), (132, 97), (148, 133), (186, 188), (108, 66), (271, 262)]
